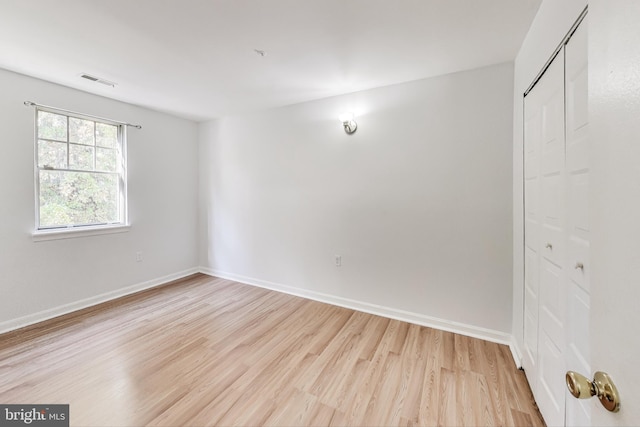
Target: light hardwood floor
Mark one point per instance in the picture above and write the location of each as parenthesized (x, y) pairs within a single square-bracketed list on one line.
[(208, 351)]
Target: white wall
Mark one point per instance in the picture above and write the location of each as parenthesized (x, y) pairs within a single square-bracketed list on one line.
[(417, 202), (551, 24), (41, 279)]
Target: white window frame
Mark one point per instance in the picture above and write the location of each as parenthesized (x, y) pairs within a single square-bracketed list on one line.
[(79, 230)]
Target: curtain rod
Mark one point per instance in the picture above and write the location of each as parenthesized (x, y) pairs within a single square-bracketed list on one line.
[(33, 104)]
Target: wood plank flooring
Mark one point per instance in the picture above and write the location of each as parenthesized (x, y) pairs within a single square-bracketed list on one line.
[(207, 351)]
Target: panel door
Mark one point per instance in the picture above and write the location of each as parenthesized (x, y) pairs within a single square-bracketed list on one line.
[(552, 307), (532, 145), (545, 242), (578, 266)]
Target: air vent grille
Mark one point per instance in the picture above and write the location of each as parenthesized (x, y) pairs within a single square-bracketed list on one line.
[(98, 80)]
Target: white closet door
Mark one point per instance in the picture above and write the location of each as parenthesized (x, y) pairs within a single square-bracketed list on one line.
[(578, 412), (545, 242), (532, 144), (551, 336)]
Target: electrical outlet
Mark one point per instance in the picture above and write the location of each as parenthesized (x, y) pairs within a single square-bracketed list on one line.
[(338, 259), (138, 256)]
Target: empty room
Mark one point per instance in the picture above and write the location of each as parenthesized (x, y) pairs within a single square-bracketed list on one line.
[(319, 212)]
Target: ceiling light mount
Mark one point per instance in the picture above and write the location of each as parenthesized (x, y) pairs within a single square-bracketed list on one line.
[(348, 122)]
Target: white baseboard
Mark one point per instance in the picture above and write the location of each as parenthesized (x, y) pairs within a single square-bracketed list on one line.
[(31, 319), (392, 313), (515, 352)]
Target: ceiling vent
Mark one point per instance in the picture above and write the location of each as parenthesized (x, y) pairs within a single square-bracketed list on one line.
[(98, 80)]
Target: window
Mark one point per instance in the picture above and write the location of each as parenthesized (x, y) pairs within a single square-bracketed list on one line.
[(80, 171)]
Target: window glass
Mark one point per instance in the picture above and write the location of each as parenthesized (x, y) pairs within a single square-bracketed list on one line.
[(81, 176)]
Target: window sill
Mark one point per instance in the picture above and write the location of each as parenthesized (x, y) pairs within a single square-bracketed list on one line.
[(72, 233)]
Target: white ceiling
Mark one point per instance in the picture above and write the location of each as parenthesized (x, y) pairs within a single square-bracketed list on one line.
[(196, 59)]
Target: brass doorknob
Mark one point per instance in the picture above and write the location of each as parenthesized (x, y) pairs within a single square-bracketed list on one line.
[(602, 386), (580, 386)]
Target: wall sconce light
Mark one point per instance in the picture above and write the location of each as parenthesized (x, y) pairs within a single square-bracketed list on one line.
[(348, 122)]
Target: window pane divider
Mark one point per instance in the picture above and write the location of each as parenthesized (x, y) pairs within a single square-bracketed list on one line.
[(81, 144), (60, 141), (44, 168)]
